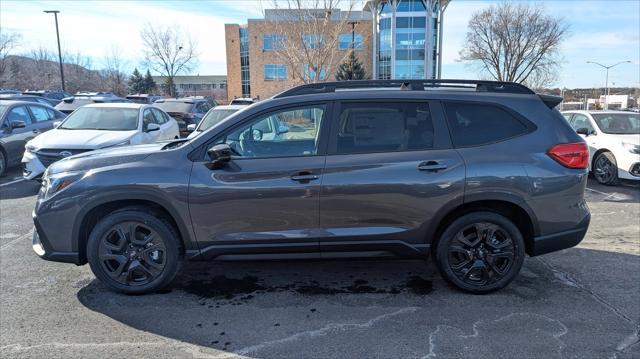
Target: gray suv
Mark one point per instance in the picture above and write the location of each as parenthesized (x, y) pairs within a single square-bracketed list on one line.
[(477, 174)]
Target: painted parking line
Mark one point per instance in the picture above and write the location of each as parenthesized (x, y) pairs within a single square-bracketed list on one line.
[(599, 192), (15, 180)]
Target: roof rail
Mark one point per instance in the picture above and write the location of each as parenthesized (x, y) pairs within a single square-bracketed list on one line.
[(407, 85)]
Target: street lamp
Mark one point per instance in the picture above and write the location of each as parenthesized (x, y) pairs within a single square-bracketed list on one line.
[(606, 83), (55, 14)]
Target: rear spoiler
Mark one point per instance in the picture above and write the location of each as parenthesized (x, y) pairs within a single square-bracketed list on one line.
[(550, 100)]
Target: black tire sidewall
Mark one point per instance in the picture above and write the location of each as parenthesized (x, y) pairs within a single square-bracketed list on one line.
[(614, 179), (168, 236), (442, 257), (3, 163)]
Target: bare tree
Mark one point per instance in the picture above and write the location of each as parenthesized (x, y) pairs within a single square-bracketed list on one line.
[(113, 72), (8, 42), (515, 42), (168, 51), (306, 35)]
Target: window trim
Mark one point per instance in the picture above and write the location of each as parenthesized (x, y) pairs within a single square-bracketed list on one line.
[(200, 153), (530, 126), (440, 142)]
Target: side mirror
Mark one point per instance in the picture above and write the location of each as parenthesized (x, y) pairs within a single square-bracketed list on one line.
[(18, 124), (282, 129), (220, 155), (56, 124), (191, 127), (152, 127), (583, 131)]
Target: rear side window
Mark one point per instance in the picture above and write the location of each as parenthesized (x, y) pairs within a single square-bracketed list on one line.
[(380, 127), (480, 124)]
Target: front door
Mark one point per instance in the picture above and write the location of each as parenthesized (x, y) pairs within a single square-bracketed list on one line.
[(390, 170), (266, 198), (16, 138)]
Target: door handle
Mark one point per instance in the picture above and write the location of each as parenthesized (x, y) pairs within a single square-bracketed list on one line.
[(35, 130), (432, 166), (304, 176)]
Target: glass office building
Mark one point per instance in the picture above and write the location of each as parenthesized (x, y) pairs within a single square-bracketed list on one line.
[(408, 38)]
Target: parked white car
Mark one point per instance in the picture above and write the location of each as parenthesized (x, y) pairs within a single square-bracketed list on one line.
[(213, 117), (613, 138), (97, 126)]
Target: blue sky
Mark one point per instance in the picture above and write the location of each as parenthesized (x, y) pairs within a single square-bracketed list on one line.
[(602, 31)]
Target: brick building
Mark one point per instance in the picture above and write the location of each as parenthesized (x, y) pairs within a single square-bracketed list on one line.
[(196, 85), (393, 39)]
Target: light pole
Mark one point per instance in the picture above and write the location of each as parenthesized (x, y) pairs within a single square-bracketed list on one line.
[(55, 15), (606, 82), (353, 45)]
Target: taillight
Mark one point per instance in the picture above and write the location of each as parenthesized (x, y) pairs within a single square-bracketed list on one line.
[(571, 155)]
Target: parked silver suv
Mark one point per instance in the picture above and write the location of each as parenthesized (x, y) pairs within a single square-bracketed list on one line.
[(476, 173)]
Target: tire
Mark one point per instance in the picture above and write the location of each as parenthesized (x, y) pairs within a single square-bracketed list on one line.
[(605, 169), (147, 264), (3, 163), (482, 263)]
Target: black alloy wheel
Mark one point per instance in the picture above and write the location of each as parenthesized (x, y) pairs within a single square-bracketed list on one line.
[(480, 252), (605, 169)]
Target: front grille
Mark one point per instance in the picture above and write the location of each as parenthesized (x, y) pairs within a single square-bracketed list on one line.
[(49, 156)]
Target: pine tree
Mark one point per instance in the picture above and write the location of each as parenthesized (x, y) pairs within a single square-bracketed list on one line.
[(350, 69), (136, 82), (149, 84)]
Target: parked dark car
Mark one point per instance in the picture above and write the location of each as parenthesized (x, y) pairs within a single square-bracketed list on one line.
[(143, 98), (9, 92), (53, 95), (69, 104), (21, 121), (477, 174), (29, 98), (186, 111)]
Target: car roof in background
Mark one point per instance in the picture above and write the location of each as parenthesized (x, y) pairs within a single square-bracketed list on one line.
[(117, 105), (18, 102), (228, 107), (182, 99), (597, 111)]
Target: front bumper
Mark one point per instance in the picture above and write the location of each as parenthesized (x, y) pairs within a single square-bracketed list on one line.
[(42, 247), (32, 168), (628, 166), (562, 240)]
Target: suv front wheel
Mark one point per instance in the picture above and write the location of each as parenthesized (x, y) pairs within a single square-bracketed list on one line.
[(480, 252), (133, 252)]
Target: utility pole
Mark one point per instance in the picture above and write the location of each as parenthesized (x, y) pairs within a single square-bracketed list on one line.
[(55, 15), (606, 82), (353, 45)]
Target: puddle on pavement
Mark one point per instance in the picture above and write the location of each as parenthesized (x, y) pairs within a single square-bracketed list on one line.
[(239, 290)]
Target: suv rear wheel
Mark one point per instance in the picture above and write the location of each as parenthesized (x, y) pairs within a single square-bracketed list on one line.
[(134, 252), (480, 252)]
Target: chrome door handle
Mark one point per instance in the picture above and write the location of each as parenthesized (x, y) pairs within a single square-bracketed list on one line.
[(304, 176), (431, 166)]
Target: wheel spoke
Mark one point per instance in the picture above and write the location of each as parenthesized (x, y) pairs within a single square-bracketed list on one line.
[(508, 255), (122, 263), (461, 265)]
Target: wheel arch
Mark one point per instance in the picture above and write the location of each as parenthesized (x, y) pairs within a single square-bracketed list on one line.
[(97, 210), (518, 212), (596, 154)]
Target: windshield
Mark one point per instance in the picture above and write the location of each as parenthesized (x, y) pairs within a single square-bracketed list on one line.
[(102, 118), (174, 106), (618, 123), (213, 117)]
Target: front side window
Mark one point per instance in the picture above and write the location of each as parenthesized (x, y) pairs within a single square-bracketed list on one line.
[(370, 127), (345, 41), (581, 121), (102, 118), (283, 133), (40, 114), (161, 118), (618, 123), (479, 124), (19, 113), (275, 72)]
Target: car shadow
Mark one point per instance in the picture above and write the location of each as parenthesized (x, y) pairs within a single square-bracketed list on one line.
[(237, 307), (19, 190), (624, 192)]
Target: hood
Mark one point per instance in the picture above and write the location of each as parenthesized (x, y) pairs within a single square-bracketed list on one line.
[(105, 158), (80, 139), (635, 139)]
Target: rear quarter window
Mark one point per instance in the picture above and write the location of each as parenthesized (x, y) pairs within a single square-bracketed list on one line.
[(480, 124)]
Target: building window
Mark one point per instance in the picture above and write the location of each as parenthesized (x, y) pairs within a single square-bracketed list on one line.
[(308, 73), (275, 72), (410, 5), (313, 41), (245, 80), (344, 41), (273, 42)]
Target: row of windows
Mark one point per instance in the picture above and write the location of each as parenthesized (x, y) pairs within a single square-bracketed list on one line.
[(368, 127), (275, 42), (20, 113), (221, 85)]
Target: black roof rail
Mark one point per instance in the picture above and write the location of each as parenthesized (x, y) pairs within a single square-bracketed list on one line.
[(407, 85)]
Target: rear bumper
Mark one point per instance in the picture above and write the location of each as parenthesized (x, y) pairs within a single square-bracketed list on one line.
[(42, 247), (562, 240)]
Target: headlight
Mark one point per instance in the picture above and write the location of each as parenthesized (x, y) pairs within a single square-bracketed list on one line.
[(30, 148), (54, 184), (631, 147)]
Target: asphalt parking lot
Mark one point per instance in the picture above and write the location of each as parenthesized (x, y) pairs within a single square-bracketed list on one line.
[(582, 302)]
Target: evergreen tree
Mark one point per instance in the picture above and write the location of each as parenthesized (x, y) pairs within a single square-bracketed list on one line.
[(350, 69), (149, 84), (136, 82)]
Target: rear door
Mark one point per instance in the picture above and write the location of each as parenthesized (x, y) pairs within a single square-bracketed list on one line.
[(390, 170), (42, 118)]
